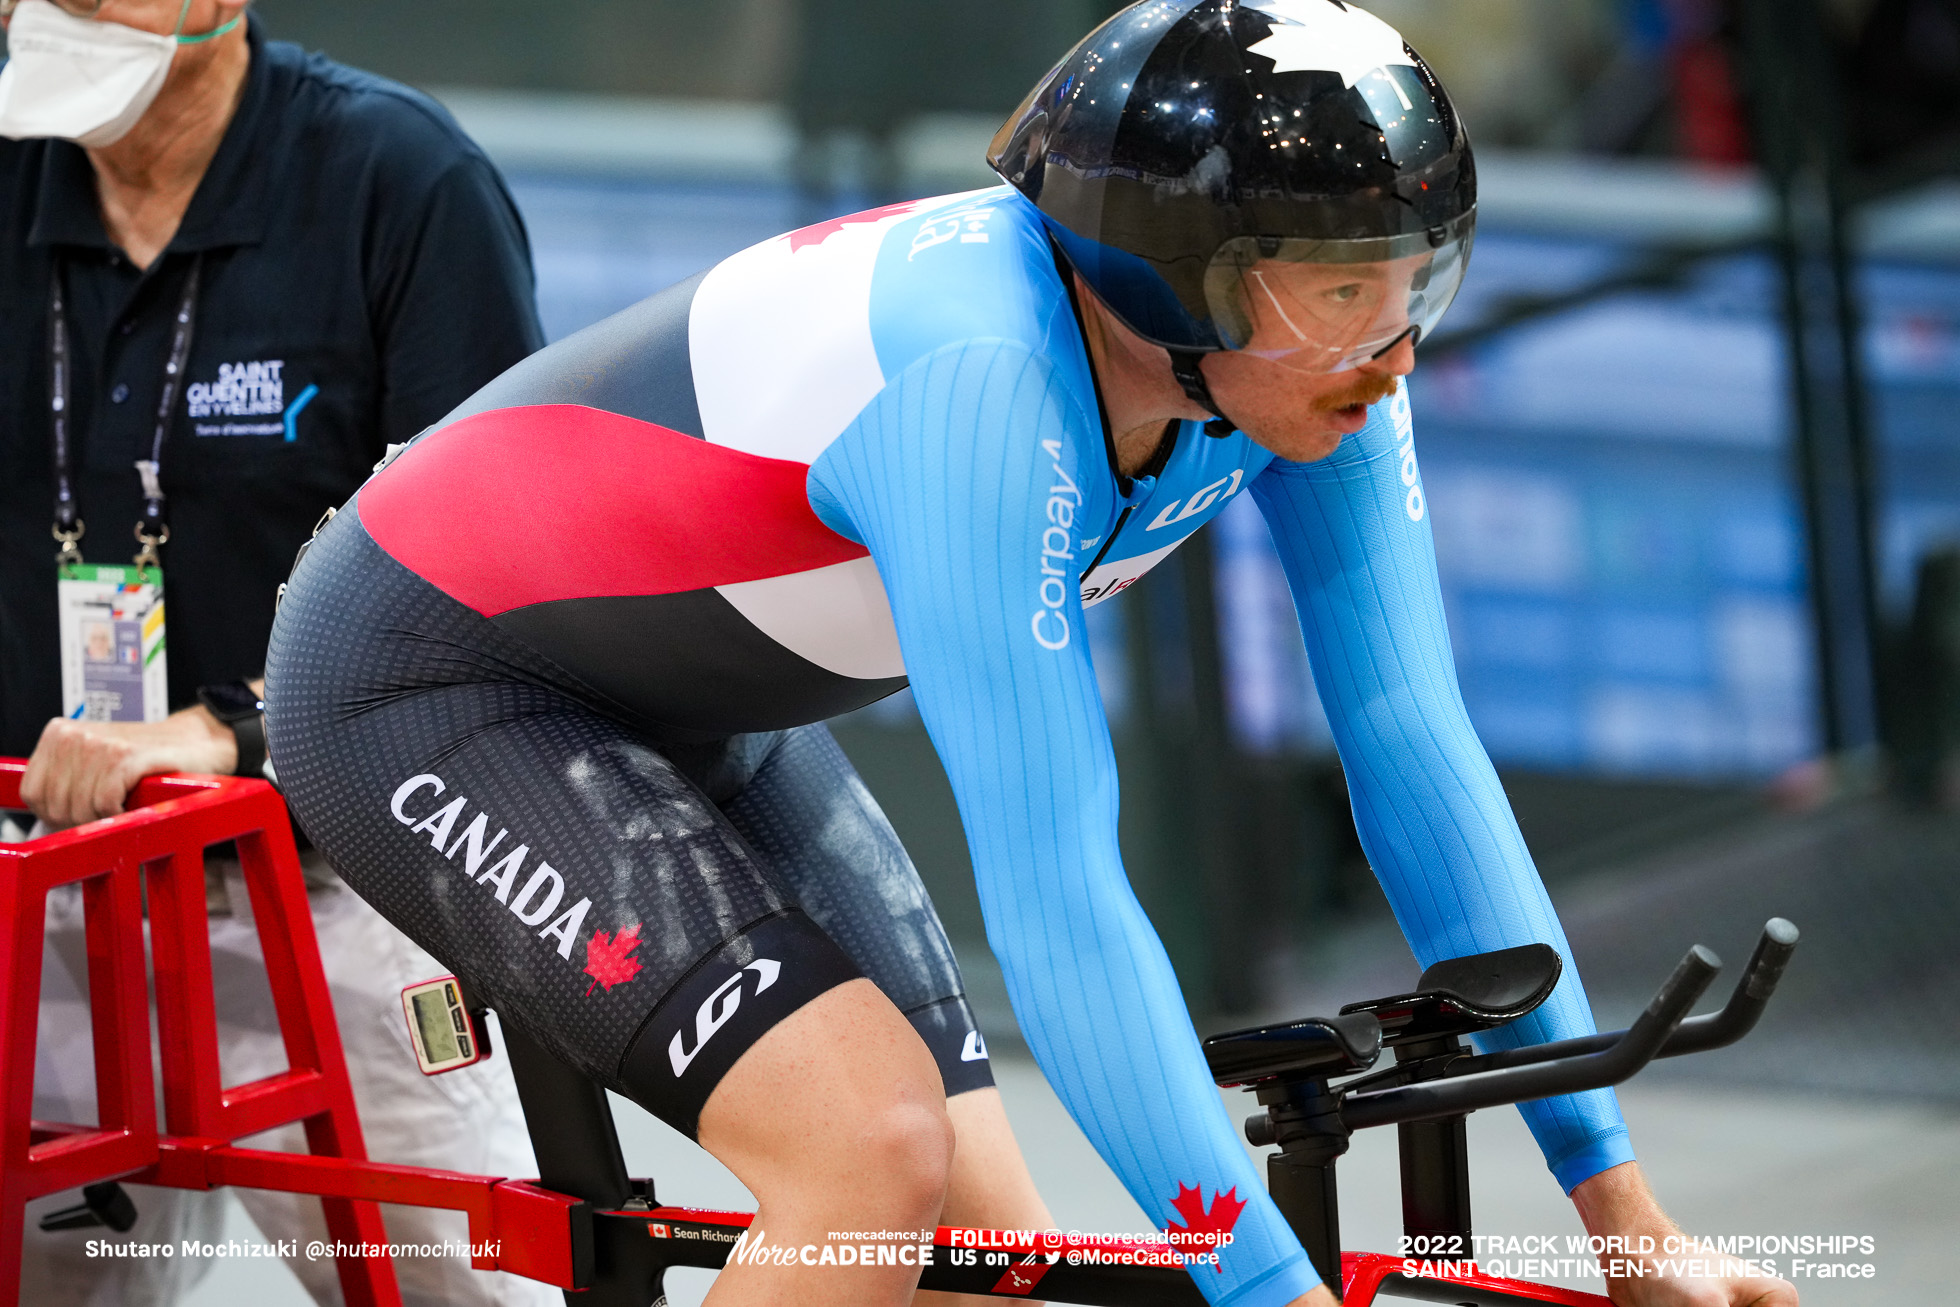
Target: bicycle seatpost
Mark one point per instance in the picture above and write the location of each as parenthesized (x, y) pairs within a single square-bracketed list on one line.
[(571, 1125)]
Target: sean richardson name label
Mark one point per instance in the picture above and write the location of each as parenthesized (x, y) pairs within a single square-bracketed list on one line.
[(1577, 1256)]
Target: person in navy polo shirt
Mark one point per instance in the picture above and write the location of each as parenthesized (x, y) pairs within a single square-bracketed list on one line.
[(231, 274)]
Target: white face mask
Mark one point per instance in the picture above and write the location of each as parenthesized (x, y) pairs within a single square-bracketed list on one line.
[(81, 80)]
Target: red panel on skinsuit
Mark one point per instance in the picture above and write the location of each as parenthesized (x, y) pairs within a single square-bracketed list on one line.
[(557, 501)]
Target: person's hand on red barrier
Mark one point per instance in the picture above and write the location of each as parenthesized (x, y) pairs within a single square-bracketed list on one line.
[(82, 771)]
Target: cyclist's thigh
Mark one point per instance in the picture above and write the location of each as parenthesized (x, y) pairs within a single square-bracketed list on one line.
[(554, 859), (809, 816)]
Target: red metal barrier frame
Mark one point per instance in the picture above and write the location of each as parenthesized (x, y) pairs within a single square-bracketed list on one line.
[(162, 840), (1369, 1276)]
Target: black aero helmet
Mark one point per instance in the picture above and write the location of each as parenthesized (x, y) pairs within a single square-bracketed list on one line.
[(1285, 177)]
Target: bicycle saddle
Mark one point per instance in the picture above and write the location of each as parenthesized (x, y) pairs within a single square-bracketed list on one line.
[(1315, 1047), (1460, 995)]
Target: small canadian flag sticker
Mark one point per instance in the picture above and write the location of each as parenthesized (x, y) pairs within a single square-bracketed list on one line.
[(658, 1230)]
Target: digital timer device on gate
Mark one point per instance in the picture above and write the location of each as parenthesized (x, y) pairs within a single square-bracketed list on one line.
[(444, 1033)]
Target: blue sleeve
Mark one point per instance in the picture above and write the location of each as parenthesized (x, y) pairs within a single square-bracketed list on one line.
[(963, 479), (1353, 535)]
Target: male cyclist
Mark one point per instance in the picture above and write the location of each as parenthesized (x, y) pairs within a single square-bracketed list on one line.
[(546, 691)]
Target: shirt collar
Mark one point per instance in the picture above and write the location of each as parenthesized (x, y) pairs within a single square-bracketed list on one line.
[(228, 208)]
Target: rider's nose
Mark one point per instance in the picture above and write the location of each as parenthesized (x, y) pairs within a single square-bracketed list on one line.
[(1399, 360)]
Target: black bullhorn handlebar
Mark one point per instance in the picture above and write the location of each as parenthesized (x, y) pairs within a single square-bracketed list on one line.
[(1563, 1068), (1436, 1081), (1695, 1035)]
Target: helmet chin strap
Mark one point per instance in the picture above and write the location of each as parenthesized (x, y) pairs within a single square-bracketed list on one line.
[(1185, 367)]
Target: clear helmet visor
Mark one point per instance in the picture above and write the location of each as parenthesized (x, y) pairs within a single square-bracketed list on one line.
[(1321, 306)]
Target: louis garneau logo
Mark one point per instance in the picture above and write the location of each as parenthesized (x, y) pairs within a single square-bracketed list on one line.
[(975, 1048), (244, 391), (1179, 510), (715, 1011)]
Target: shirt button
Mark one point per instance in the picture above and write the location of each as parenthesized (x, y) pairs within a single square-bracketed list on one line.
[(120, 393)]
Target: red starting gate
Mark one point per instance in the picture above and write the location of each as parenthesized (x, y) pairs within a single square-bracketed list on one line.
[(155, 852)]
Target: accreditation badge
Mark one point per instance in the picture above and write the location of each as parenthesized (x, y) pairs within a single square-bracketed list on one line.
[(112, 657)]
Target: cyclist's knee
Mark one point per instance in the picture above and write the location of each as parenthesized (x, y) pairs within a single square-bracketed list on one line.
[(912, 1141), (841, 1098), (900, 1149)]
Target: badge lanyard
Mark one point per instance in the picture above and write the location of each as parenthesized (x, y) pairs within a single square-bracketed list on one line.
[(112, 645), (151, 529)]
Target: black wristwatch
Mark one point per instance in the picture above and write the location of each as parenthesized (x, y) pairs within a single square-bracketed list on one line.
[(238, 706)]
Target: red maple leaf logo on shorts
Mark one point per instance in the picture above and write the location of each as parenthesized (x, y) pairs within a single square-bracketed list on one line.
[(608, 958), (1222, 1215)]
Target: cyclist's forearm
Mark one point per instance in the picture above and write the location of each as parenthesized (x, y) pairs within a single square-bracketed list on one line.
[(1431, 814), (1099, 1003)]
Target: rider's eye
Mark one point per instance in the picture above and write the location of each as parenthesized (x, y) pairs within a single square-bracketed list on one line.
[(1344, 294)]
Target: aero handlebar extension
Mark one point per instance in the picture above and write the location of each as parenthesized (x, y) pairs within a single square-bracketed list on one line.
[(1695, 1035), (1566, 1067)]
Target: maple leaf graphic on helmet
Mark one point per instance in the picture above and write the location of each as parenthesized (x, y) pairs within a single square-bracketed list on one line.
[(818, 233), (1213, 1219), (1312, 35), (608, 958)]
